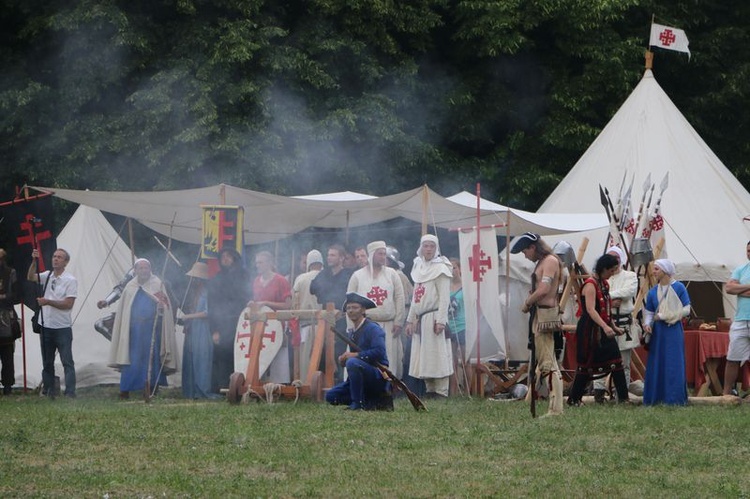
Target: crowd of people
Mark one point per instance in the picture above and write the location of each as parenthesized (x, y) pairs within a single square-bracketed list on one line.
[(415, 326)]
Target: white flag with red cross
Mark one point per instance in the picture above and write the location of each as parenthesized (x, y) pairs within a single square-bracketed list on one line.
[(479, 265), (669, 38)]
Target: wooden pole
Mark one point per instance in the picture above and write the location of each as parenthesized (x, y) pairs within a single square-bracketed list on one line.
[(425, 202), (573, 275), (478, 377)]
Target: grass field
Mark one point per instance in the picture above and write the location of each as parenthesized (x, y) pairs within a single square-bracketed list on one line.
[(97, 446)]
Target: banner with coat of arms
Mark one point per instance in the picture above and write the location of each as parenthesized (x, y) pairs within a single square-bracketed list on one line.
[(223, 226)]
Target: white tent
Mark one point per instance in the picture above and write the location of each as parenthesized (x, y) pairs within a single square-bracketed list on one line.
[(99, 259), (703, 207), (269, 217)]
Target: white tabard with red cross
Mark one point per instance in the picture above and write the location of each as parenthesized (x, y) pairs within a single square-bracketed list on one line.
[(273, 337)]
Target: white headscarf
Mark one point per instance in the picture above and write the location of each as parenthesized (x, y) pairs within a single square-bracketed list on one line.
[(620, 254), (423, 270), (667, 266)]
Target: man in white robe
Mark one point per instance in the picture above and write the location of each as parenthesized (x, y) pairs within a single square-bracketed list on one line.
[(302, 299), (382, 285), (431, 355)]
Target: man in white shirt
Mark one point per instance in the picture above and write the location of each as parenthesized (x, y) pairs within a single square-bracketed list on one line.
[(60, 292)]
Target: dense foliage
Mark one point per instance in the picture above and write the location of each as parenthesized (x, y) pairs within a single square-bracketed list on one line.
[(372, 95)]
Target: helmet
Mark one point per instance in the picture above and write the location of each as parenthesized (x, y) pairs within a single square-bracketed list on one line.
[(394, 257)]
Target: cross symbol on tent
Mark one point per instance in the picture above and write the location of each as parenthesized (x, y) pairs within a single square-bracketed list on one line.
[(667, 37), (479, 262)]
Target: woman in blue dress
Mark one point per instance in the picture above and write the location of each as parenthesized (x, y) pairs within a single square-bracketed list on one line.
[(198, 349), (666, 304)]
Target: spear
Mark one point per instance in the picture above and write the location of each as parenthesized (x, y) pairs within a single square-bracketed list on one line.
[(643, 217), (626, 205), (646, 187), (148, 394), (619, 203), (612, 225), (662, 187)]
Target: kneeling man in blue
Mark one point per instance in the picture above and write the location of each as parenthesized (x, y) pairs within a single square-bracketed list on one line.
[(365, 387)]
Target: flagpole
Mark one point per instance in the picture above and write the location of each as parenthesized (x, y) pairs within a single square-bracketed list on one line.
[(480, 392), (506, 321)]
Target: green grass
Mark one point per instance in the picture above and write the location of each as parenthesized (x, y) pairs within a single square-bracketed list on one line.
[(97, 446)]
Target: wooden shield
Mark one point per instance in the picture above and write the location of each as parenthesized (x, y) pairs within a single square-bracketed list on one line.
[(273, 337)]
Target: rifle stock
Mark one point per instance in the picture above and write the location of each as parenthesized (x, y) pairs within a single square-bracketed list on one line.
[(416, 402)]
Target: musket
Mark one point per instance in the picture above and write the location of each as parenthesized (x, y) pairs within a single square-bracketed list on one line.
[(532, 372), (415, 401)]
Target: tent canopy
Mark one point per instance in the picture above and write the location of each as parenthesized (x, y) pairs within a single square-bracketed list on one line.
[(703, 206), (269, 217)]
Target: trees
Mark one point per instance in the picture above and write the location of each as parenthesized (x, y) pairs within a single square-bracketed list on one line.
[(302, 97)]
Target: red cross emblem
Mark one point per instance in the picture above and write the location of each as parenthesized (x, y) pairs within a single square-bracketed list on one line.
[(245, 345), (656, 224), (419, 292), (479, 262), (630, 228), (667, 37), (378, 295)]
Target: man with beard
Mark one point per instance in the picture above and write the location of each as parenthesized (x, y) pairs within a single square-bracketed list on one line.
[(330, 285), (382, 285), (228, 292), (143, 320)]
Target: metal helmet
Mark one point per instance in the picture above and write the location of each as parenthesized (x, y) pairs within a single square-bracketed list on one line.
[(565, 252), (394, 256)]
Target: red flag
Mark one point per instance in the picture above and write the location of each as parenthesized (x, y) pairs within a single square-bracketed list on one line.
[(31, 225)]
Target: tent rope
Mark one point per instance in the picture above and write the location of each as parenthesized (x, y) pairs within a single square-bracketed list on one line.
[(101, 269)]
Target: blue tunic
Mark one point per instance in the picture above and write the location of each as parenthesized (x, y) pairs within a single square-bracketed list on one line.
[(666, 381), (197, 353), (365, 384), (142, 316)]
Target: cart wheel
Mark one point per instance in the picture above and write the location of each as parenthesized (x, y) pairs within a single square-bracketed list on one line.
[(316, 386), (236, 387)]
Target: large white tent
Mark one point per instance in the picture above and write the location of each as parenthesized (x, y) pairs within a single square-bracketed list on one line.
[(99, 260), (703, 206), (177, 214), (269, 217)]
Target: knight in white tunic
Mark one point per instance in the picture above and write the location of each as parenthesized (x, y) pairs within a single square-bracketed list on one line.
[(383, 286), (431, 355)]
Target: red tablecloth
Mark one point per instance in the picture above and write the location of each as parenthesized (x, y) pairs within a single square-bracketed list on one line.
[(699, 346)]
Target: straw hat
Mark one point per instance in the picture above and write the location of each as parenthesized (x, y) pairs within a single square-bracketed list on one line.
[(199, 270)]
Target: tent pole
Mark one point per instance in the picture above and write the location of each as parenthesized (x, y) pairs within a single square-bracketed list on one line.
[(506, 323), (132, 242), (425, 200), (346, 233), (480, 391)]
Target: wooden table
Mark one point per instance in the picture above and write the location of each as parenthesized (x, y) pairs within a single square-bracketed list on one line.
[(705, 358)]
